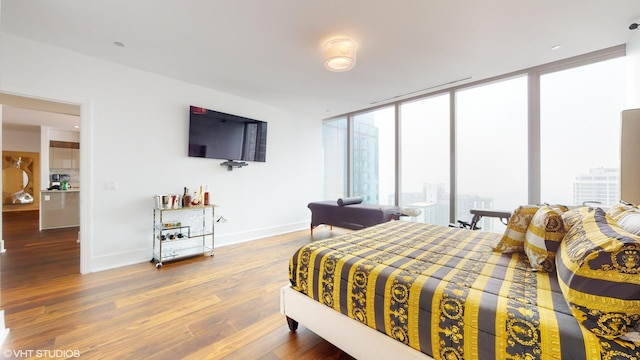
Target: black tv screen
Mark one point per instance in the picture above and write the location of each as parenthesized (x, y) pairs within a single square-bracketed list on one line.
[(217, 135)]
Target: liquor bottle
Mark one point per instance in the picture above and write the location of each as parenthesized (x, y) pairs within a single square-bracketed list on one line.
[(187, 198), (184, 197), (206, 195)]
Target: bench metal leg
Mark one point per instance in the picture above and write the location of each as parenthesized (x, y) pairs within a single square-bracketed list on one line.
[(474, 221)]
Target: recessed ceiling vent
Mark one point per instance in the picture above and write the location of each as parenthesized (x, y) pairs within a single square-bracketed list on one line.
[(419, 91)]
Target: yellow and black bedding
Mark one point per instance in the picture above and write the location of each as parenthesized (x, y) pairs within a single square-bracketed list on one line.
[(446, 292)]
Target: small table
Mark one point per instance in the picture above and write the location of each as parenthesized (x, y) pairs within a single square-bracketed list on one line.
[(479, 213)]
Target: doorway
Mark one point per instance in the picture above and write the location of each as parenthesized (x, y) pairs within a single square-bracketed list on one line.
[(29, 247)]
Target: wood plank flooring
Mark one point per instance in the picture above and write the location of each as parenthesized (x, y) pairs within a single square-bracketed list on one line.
[(221, 307)]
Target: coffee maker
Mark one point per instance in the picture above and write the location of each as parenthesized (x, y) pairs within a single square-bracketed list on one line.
[(59, 181), (55, 182)]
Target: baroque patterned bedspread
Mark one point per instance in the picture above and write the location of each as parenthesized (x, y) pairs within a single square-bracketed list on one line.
[(446, 293)]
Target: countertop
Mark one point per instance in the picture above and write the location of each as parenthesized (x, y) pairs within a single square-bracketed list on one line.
[(58, 191)]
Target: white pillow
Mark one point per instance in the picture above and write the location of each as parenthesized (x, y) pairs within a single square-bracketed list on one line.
[(630, 221)]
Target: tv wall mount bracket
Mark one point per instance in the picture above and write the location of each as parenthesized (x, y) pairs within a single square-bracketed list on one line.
[(230, 164)]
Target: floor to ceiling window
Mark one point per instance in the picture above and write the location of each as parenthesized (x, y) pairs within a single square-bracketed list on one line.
[(424, 134), (374, 156), (334, 138), (580, 133), (505, 154), (491, 148)]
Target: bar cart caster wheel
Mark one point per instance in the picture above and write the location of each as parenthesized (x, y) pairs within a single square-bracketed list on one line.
[(158, 265)]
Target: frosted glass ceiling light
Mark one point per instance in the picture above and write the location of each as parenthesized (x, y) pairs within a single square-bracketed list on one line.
[(339, 54)]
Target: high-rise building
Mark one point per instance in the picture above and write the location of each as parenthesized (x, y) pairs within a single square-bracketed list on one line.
[(334, 139), (601, 185), (365, 159), (468, 202)]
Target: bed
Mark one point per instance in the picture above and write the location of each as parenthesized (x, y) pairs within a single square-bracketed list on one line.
[(418, 291)]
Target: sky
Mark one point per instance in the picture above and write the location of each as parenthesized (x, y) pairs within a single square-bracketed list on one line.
[(580, 130)]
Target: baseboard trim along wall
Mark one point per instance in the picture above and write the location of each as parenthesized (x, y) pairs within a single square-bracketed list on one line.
[(4, 332)]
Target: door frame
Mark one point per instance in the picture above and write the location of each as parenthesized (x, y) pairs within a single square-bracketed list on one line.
[(86, 154)]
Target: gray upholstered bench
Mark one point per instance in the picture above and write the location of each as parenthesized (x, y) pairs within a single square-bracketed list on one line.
[(353, 216)]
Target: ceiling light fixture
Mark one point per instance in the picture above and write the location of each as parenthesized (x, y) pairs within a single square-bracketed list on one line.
[(339, 54), (633, 26)]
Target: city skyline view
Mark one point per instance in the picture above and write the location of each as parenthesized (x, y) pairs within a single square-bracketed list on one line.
[(579, 131)]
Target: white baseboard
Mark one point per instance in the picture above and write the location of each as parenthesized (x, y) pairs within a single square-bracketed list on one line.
[(115, 260), (4, 332), (240, 237)]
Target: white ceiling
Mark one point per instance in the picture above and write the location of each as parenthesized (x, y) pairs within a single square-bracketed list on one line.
[(269, 51), (23, 119)]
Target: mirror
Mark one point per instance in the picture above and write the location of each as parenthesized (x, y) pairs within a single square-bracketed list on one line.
[(14, 180), (16, 173)]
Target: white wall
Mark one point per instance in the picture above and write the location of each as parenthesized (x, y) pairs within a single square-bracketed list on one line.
[(44, 157), (61, 135), (136, 126), (20, 140), (633, 71), (1, 238)]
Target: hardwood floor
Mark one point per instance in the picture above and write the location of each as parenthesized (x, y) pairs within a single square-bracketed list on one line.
[(221, 307)]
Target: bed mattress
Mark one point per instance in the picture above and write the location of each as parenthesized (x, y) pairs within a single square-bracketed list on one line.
[(445, 292)]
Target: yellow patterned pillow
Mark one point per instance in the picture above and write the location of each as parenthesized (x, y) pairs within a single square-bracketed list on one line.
[(513, 238), (598, 266), (571, 217), (543, 237)]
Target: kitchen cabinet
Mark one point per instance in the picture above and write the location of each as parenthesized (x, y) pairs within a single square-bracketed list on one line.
[(64, 158), (59, 209), (75, 158)]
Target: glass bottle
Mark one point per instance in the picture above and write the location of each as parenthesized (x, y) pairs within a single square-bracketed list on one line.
[(187, 198)]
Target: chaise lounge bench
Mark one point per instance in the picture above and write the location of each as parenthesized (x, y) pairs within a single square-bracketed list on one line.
[(350, 215)]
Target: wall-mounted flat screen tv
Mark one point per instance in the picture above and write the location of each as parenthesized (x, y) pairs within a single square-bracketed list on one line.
[(217, 135)]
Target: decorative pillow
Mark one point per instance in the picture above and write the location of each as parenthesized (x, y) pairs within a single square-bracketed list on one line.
[(350, 201), (413, 212), (513, 238), (598, 266), (571, 217), (543, 237), (630, 221), (563, 208), (619, 208)]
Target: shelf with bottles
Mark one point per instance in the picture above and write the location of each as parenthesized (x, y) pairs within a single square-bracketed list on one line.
[(184, 200), (197, 199), (178, 231), (174, 233)]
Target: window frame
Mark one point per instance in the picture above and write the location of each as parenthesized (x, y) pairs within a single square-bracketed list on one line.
[(533, 123)]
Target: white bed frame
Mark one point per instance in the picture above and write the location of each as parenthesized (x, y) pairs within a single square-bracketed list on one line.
[(353, 337)]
